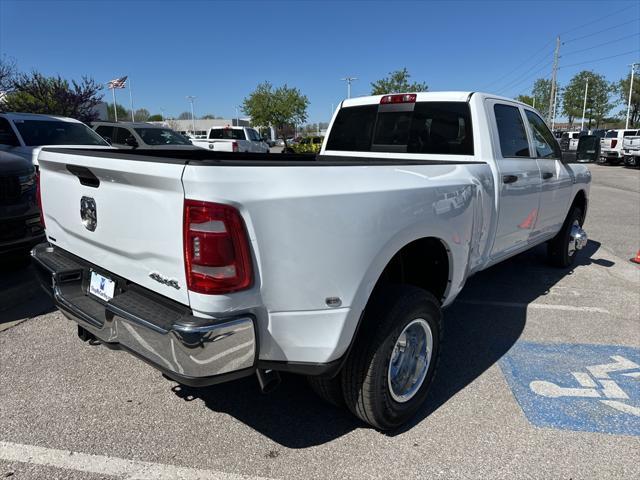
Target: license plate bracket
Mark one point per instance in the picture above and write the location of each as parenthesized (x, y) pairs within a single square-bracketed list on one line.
[(101, 286)]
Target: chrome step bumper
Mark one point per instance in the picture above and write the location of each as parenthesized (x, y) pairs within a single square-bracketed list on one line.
[(192, 350)]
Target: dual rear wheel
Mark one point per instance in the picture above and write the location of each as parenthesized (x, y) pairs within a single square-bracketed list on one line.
[(387, 375)]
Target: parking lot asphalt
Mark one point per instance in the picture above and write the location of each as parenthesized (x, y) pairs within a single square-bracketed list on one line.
[(71, 410)]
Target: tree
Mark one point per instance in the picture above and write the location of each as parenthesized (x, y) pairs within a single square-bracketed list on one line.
[(141, 115), (156, 117), (208, 116), (8, 71), (123, 113), (525, 99), (540, 96), (184, 116), (622, 89), (36, 93), (397, 82), (281, 107), (598, 105)]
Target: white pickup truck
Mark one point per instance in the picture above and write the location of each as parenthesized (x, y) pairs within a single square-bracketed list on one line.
[(212, 266), (611, 146), (233, 139), (631, 150)]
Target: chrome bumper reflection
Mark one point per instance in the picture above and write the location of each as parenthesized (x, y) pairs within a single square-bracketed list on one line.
[(186, 346)]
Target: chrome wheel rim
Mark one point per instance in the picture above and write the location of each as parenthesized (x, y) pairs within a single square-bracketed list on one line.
[(410, 360)]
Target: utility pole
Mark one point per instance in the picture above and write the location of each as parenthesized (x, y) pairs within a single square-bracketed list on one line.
[(162, 114), (584, 105), (349, 80), (191, 98), (554, 78), (633, 68)]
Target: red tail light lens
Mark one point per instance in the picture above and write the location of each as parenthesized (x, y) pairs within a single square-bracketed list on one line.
[(39, 199), (401, 98), (234, 146), (614, 142), (216, 248)]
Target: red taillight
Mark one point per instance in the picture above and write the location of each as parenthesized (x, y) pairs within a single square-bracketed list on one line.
[(614, 142), (234, 146), (401, 98), (39, 199), (216, 248)]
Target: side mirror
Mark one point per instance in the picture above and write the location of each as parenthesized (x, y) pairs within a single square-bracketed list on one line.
[(131, 142)]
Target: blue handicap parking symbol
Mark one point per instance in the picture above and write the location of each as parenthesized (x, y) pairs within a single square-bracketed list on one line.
[(594, 388)]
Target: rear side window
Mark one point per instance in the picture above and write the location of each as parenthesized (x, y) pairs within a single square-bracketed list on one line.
[(513, 138), (431, 127), (227, 134)]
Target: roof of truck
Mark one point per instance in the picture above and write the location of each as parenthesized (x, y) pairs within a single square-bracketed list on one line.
[(37, 116), (427, 97)]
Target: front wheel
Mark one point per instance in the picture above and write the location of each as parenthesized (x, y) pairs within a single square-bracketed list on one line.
[(387, 375)]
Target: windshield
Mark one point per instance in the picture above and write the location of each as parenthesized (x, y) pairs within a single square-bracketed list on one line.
[(611, 134), (161, 136), (52, 132)]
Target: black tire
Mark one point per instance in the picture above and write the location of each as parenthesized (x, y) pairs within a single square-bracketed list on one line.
[(328, 389), (364, 378), (557, 251)]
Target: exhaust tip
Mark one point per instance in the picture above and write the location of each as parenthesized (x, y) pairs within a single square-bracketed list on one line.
[(268, 380)]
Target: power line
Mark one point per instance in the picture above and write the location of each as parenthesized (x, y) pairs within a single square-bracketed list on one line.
[(635, 20), (528, 77), (600, 45), (599, 59), (525, 76), (596, 20), (531, 57)]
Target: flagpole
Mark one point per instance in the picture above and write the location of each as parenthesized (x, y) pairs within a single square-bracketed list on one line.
[(115, 110), (133, 118)]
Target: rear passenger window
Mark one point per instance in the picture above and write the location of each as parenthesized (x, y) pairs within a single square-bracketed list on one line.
[(513, 138), (120, 135), (543, 140)]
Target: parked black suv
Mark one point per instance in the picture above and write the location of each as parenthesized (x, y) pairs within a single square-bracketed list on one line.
[(20, 227)]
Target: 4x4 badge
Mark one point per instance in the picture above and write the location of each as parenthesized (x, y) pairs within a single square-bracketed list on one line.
[(88, 213)]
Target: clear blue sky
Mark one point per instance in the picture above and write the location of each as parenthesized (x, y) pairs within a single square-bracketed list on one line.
[(219, 51)]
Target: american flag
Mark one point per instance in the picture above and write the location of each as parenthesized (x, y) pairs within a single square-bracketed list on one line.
[(118, 82)]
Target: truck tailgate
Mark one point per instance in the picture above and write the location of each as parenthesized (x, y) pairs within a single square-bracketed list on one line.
[(138, 216)]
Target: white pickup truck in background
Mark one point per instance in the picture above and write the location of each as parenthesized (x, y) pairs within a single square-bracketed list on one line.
[(212, 266), (631, 150), (611, 146), (233, 139), (25, 134)]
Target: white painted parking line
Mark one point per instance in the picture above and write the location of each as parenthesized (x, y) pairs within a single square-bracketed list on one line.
[(104, 465), (537, 306)]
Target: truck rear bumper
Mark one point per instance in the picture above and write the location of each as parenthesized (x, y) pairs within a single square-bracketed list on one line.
[(192, 350)]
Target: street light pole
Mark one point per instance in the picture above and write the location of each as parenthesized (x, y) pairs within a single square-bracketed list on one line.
[(584, 105), (191, 98), (633, 68), (349, 80), (237, 117)]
